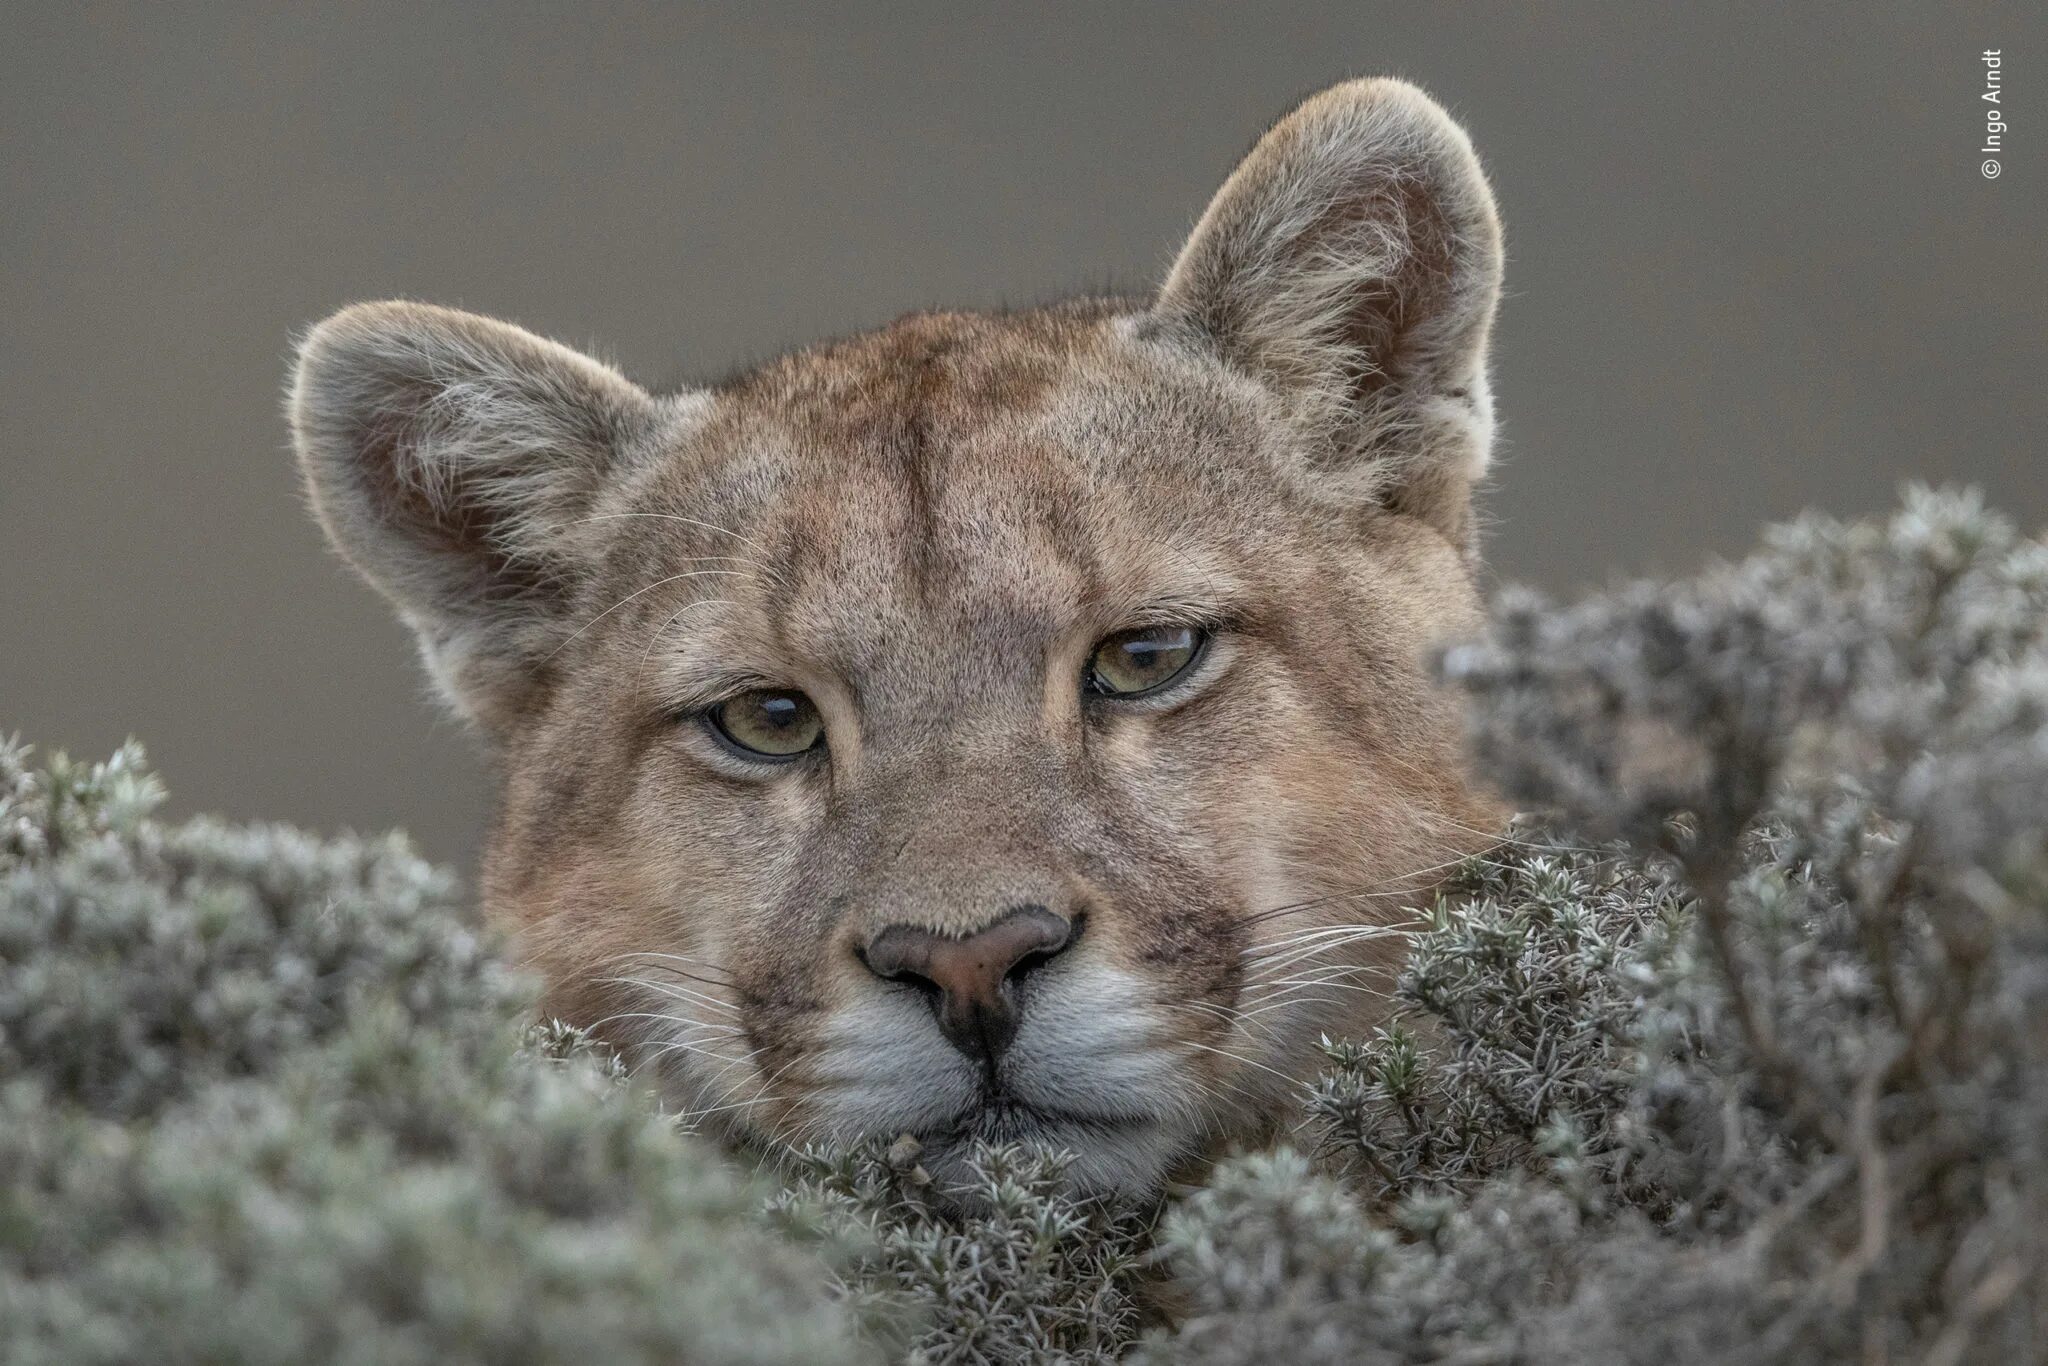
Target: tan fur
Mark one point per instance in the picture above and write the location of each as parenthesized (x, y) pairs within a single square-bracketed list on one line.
[(926, 529)]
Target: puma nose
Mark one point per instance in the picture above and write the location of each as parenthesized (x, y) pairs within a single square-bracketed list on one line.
[(969, 979)]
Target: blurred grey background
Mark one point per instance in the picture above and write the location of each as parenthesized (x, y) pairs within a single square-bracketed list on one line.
[(1754, 268)]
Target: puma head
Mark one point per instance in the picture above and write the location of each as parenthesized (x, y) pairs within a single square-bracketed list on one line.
[(993, 726)]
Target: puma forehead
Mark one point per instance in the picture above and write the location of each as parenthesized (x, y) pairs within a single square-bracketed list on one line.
[(993, 726)]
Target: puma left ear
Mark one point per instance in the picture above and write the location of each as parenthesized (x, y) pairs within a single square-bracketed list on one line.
[(1352, 263), (453, 461)]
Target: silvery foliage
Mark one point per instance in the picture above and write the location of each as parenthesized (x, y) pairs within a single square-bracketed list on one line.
[(1766, 1078), (1011, 1267), (1737, 1049), (263, 1098)]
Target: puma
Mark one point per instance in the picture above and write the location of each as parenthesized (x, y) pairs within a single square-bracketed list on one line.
[(991, 727)]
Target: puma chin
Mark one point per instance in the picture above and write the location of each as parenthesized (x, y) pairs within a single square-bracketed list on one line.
[(991, 727)]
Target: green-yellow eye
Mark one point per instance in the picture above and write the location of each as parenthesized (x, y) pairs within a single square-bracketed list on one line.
[(769, 724), (1133, 663)]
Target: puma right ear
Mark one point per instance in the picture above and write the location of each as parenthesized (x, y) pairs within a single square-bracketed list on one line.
[(450, 458), (1352, 264)]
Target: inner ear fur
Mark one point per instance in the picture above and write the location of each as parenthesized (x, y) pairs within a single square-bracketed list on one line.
[(449, 458), (1352, 264)]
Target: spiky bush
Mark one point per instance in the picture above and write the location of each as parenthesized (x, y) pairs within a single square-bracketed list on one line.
[(263, 1099), (268, 1098), (1532, 966), (1737, 1051), (1012, 1266), (1767, 1082)]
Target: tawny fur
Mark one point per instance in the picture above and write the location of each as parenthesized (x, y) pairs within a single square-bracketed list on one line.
[(926, 529)]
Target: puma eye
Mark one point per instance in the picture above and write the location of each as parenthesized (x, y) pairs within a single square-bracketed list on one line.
[(768, 725), (1134, 663)]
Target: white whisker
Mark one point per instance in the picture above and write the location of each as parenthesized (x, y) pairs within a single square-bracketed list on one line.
[(673, 992), (638, 592)]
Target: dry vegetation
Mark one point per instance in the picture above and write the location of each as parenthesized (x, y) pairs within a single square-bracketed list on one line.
[(1740, 1052)]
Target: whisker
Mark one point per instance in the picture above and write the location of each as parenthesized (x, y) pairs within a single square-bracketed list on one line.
[(639, 1015), (1379, 890), (665, 958), (1361, 987), (656, 1054), (1330, 972), (758, 1098), (695, 1115), (771, 572), (1234, 1019), (655, 642), (638, 592), (672, 992), (1388, 886), (1280, 957), (1241, 1059), (1270, 1002), (1350, 929)]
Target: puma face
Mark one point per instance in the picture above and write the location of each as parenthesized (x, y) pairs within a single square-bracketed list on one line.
[(993, 726)]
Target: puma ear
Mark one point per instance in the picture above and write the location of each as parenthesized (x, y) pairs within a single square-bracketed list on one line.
[(1352, 263), (449, 458)]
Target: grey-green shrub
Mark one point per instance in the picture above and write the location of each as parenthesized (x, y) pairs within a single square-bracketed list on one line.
[(1737, 1051), (1014, 1268), (263, 1099), (1772, 1089)]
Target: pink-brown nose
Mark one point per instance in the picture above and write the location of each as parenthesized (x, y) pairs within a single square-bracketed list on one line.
[(971, 980)]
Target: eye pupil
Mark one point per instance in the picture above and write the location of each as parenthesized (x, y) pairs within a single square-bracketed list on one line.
[(769, 724), (1136, 662)]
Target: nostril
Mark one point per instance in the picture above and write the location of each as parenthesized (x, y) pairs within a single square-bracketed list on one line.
[(898, 955), (1057, 939)]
